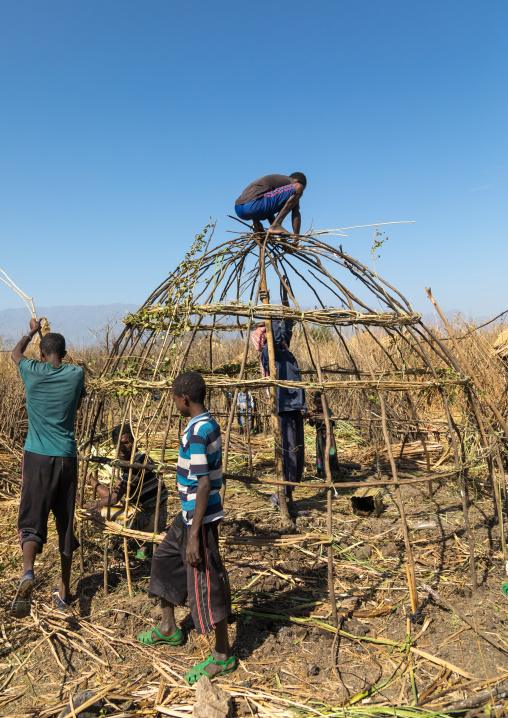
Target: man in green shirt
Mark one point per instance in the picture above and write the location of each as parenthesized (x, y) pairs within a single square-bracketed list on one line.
[(49, 470)]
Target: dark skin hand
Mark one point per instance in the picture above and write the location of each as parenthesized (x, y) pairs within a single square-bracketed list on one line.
[(20, 348), (103, 492), (124, 453), (283, 291)]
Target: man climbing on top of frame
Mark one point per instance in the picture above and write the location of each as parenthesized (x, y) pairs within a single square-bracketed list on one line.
[(269, 195)]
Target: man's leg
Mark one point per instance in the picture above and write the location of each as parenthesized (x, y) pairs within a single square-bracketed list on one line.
[(222, 651), (276, 226), (66, 564), (293, 454), (210, 604), (168, 581), (30, 549), (167, 624), (289, 457), (300, 443), (34, 505), (20, 606), (66, 476)]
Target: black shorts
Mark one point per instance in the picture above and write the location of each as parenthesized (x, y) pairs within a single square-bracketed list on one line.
[(174, 579), (48, 484)]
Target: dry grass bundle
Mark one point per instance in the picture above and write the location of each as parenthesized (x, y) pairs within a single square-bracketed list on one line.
[(414, 451), (500, 345)]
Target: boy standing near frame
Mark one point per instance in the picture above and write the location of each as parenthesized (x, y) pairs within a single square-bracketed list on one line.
[(187, 563)]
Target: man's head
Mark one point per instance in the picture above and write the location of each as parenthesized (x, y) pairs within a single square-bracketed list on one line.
[(126, 441), (318, 400), (189, 392), (300, 178), (52, 346)]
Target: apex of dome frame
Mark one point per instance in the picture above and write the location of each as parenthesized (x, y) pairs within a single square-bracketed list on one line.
[(221, 282)]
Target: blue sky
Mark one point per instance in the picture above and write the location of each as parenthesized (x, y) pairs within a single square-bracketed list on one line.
[(125, 125)]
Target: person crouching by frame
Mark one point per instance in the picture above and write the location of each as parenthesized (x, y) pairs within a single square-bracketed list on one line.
[(187, 563), (142, 493)]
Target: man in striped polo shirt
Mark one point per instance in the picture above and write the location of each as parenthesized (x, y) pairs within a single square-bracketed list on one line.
[(187, 562), (273, 195)]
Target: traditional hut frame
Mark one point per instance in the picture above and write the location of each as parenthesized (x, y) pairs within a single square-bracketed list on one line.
[(389, 353)]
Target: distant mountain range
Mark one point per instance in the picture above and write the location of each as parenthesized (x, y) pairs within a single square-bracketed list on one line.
[(78, 324)]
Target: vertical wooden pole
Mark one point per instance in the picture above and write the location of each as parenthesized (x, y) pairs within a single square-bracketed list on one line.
[(163, 460), (106, 544), (248, 434), (313, 351), (233, 406), (393, 467), (273, 389), (502, 482)]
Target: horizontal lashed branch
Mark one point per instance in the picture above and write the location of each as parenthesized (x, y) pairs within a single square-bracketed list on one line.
[(113, 528), (134, 385), (330, 317)]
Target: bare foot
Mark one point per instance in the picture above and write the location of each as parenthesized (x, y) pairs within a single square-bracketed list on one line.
[(277, 229), (257, 226)]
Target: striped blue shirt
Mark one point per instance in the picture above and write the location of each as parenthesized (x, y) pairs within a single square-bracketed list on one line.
[(200, 454)]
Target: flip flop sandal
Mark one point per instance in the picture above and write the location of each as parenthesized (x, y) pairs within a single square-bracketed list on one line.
[(175, 640), (141, 556), (198, 671), (21, 605)]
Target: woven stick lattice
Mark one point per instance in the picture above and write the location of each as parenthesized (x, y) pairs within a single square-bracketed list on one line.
[(395, 365)]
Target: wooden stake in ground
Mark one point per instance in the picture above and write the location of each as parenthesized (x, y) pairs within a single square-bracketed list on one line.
[(273, 389), (313, 350)]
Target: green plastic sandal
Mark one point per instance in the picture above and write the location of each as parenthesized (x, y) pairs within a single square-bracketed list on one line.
[(195, 673), (175, 640), (142, 556)]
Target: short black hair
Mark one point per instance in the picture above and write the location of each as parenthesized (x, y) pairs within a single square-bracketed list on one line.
[(318, 395), (192, 385), (53, 343), (299, 177), (116, 432)]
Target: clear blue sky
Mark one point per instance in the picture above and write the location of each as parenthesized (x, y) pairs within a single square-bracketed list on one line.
[(125, 125)]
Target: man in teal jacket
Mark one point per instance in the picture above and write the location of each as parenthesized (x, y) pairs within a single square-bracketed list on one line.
[(49, 470)]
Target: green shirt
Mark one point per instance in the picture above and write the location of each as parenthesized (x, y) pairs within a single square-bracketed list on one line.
[(52, 397)]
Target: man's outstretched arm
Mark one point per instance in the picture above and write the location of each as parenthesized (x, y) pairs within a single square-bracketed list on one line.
[(296, 219), (20, 348), (202, 495)]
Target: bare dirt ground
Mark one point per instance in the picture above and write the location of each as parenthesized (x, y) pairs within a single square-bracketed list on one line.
[(289, 656)]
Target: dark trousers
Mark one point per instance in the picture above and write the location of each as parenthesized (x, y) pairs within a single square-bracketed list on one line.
[(205, 585), (48, 484), (293, 447)]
